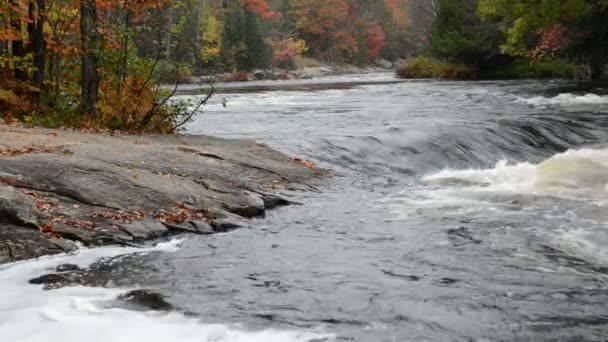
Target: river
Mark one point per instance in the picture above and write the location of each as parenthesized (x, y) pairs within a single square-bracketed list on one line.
[(458, 211)]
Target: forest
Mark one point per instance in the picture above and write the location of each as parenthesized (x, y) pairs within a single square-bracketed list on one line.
[(516, 39), (100, 63)]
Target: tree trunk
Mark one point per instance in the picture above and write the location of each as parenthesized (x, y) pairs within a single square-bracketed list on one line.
[(89, 37), (18, 48), (36, 35), (169, 34)]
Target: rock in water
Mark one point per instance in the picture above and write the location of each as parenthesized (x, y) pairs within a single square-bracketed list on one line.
[(147, 300)]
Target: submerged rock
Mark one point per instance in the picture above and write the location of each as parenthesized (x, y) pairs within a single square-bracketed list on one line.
[(147, 300)]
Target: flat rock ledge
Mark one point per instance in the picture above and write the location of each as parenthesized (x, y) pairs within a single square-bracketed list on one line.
[(58, 187)]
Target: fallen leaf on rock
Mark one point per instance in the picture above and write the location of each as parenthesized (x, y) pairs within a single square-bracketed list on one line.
[(48, 231), (12, 152), (309, 164), (122, 216)]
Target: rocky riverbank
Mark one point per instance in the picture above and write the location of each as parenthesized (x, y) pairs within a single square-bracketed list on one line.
[(306, 68), (58, 187)]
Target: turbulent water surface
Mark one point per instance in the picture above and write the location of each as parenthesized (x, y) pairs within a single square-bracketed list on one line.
[(459, 211)]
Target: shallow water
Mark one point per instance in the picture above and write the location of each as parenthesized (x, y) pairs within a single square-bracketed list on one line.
[(459, 211)]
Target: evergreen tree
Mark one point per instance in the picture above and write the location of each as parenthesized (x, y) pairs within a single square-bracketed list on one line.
[(460, 36)]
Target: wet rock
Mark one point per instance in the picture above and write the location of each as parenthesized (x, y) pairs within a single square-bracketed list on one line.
[(146, 229), (252, 206), (63, 245), (225, 222), (202, 227), (53, 280), (125, 174), (185, 227), (147, 300), (86, 236), (20, 243), (273, 201), (194, 227), (68, 268)]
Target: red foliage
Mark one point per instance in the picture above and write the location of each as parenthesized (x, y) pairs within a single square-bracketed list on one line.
[(331, 22), (260, 7), (553, 41), (375, 40)]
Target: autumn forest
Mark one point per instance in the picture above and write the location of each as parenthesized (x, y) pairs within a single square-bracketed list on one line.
[(100, 63)]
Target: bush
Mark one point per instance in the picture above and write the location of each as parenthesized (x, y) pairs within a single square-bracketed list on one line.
[(424, 67), (139, 107), (56, 112), (541, 69)]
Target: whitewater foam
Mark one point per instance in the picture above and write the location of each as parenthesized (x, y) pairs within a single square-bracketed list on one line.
[(566, 99), (30, 314), (573, 173)]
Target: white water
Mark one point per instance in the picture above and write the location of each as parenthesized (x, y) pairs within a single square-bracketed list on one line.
[(76, 314), (573, 173), (576, 175), (566, 99)]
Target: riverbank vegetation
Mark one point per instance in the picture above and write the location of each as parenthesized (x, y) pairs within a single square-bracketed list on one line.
[(518, 39)]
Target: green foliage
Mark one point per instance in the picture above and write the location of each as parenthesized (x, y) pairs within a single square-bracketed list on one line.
[(57, 111), (524, 68), (243, 45), (424, 67), (460, 36), (514, 38), (527, 17)]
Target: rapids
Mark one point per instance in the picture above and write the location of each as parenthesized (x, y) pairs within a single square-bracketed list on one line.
[(459, 211)]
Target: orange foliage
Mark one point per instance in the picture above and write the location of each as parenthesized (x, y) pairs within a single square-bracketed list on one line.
[(331, 22), (127, 109), (397, 8)]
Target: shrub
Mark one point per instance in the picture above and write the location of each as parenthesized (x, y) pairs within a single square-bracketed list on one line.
[(425, 67), (539, 69)]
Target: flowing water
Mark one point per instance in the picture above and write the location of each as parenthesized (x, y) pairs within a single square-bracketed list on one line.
[(459, 211)]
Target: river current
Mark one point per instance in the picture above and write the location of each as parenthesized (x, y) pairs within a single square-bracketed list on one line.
[(458, 211)]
